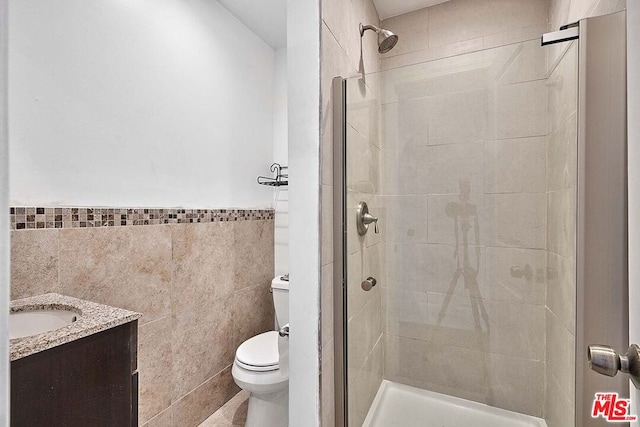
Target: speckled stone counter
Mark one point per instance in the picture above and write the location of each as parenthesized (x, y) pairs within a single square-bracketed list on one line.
[(92, 318)]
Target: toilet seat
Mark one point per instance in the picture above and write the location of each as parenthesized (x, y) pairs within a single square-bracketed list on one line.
[(260, 353)]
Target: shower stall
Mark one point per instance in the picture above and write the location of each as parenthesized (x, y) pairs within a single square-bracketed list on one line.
[(477, 205)]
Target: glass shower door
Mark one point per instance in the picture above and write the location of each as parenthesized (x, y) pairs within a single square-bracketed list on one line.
[(464, 170)]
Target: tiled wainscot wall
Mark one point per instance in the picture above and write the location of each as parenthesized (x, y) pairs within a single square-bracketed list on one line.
[(200, 278)]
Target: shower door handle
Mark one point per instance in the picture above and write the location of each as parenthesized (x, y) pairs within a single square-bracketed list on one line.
[(606, 361), (368, 283)]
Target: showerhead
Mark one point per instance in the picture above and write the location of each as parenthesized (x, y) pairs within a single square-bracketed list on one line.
[(386, 39)]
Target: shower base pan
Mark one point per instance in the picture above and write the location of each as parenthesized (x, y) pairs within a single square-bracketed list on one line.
[(399, 405)]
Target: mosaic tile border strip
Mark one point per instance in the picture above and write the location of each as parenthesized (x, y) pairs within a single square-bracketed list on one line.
[(29, 217)]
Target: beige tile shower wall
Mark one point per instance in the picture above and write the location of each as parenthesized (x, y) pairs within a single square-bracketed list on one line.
[(202, 290), (464, 178), (344, 55), (562, 148), (462, 26)]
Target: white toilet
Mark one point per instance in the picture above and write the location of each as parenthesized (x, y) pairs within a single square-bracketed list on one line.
[(257, 367)]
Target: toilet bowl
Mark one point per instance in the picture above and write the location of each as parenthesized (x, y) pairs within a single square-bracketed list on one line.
[(261, 367)]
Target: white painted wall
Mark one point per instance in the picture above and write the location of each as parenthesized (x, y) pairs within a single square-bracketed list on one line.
[(633, 120), (145, 103), (281, 155), (303, 71), (4, 224)]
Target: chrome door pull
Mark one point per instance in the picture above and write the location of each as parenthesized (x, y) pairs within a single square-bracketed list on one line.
[(606, 361), (369, 283)]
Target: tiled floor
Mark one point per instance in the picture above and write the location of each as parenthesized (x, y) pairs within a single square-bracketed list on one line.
[(233, 413)]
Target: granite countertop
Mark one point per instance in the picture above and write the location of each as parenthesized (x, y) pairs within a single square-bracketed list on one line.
[(92, 318)]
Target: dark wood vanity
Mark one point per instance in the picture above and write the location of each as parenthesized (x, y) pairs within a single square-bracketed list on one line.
[(82, 374), (91, 381)]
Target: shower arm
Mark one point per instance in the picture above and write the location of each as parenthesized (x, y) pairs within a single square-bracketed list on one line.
[(364, 28)]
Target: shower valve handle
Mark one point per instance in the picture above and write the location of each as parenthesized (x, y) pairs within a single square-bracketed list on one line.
[(364, 218), (368, 219)]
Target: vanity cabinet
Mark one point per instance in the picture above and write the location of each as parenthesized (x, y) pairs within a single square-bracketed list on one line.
[(91, 381)]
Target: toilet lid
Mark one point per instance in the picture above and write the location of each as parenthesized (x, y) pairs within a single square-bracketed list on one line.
[(260, 351)]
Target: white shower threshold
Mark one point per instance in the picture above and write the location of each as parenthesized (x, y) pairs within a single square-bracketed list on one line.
[(404, 406)]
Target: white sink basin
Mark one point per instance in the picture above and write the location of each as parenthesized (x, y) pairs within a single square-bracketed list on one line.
[(33, 322)]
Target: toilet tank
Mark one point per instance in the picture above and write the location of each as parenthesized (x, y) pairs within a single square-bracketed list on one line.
[(280, 289)]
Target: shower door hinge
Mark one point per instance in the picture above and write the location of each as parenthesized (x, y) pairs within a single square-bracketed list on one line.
[(567, 32)]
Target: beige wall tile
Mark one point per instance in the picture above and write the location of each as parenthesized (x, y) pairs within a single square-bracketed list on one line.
[(517, 63), (374, 262), (358, 151), (365, 329), (196, 406), (515, 165), (459, 117), (459, 20), (433, 53), (202, 345), (202, 268), (446, 168), (605, 7), (559, 411), (363, 110), (335, 62), (519, 110), (132, 267), (524, 34), (342, 18), (562, 155), (561, 229), (412, 29), (401, 180), (516, 384), (445, 210), (561, 289), (231, 414), (458, 316), (163, 419), (371, 57), (509, 220), (128, 267), (253, 252), (433, 268), (154, 362), (464, 370), (514, 220), (356, 297), (562, 88), (464, 73), (517, 329), (363, 388), (560, 355), (405, 313), (34, 262), (406, 219), (517, 275), (253, 312)]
